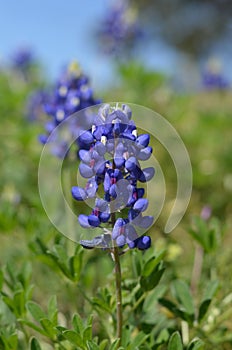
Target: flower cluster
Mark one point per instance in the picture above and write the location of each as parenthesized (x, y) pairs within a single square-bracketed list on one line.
[(72, 93), (119, 29), (23, 59), (213, 78), (110, 159), (35, 105)]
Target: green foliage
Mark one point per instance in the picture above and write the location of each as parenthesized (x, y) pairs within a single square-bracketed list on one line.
[(49, 286)]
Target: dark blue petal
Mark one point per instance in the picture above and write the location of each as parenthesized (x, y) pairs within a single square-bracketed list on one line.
[(147, 174), (93, 220), (104, 217), (131, 164), (86, 138), (78, 193), (141, 204), (143, 140), (113, 191), (140, 192), (144, 242)]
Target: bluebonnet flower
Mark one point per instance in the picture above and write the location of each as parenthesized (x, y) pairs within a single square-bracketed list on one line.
[(35, 105), (120, 29), (112, 162), (212, 77), (22, 59), (71, 94)]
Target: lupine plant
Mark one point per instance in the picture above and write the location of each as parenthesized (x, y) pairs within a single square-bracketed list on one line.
[(120, 210), (119, 31), (213, 78), (71, 93)]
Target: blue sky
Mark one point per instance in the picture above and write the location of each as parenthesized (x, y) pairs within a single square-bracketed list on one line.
[(63, 31), (58, 32)]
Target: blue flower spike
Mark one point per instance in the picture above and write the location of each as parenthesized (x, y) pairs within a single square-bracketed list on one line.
[(70, 94), (110, 159)]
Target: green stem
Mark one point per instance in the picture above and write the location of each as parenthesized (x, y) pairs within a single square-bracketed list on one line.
[(197, 269), (118, 283)]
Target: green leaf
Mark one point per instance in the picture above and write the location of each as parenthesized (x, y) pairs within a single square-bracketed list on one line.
[(101, 304), (19, 300), (35, 344), (52, 310), (25, 275), (151, 264), (103, 344), (183, 295), (33, 326), (175, 342), (153, 297), (10, 269), (92, 345), (196, 344), (210, 292), (138, 340), (77, 324), (114, 345), (35, 310), (75, 264), (151, 281), (203, 309), (87, 334), (1, 279), (60, 252), (74, 338), (48, 327), (174, 309)]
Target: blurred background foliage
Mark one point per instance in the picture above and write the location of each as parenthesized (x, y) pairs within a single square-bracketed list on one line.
[(194, 296)]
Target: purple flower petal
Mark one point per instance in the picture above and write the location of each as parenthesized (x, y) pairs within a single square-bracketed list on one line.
[(86, 171), (144, 242), (93, 220), (83, 221), (143, 140), (141, 204), (78, 193), (147, 174)]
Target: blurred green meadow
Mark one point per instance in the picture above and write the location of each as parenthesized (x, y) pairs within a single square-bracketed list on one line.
[(38, 263)]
